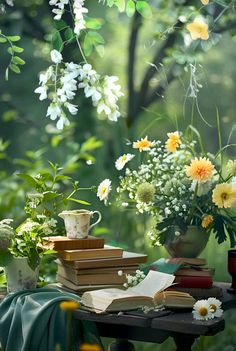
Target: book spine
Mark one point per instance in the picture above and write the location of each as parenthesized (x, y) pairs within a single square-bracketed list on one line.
[(194, 282)]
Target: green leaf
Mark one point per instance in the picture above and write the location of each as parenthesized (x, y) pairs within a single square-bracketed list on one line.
[(69, 34), (60, 24), (82, 202), (3, 40), (14, 68), (18, 61), (17, 49), (144, 9), (101, 231), (10, 51), (5, 258), (30, 180), (13, 38), (57, 41), (93, 23), (130, 8), (91, 144), (120, 4), (50, 195), (100, 50)]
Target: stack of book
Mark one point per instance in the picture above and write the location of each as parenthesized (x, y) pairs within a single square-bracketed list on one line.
[(86, 264), (191, 275)]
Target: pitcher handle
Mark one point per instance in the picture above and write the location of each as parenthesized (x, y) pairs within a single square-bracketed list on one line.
[(99, 219)]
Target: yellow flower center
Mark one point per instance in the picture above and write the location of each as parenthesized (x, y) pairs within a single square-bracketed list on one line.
[(224, 196), (124, 158), (104, 189), (213, 307), (144, 143), (203, 311)]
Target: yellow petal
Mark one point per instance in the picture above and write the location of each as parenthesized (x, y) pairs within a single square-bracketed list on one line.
[(205, 2)]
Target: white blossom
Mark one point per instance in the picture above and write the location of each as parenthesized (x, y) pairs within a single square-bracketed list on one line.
[(103, 190), (54, 111), (56, 56), (79, 10), (42, 91), (122, 160)]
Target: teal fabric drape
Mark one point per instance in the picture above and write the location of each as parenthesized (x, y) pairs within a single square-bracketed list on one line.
[(31, 320)]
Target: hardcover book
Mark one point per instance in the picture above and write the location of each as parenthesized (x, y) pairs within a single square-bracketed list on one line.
[(141, 295), (194, 282), (68, 285), (90, 254), (127, 259), (86, 279), (64, 243)]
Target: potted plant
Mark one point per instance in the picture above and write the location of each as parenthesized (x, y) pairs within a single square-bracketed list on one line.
[(187, 191), (21, 251)]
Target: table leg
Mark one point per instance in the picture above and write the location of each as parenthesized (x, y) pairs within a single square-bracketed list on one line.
[(184, 342), (121, 345)]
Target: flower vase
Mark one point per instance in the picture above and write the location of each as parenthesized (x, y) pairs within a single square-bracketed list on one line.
[(189, 243), (20, 276)]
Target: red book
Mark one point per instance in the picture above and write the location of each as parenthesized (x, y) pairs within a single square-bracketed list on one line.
[(194, 282)]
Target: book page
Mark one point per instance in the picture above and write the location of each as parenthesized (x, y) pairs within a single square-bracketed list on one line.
[(152, 283)]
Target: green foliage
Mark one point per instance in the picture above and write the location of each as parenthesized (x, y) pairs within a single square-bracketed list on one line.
[(15, 60)]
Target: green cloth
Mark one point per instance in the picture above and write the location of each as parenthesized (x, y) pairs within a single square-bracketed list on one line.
[(31, 320)]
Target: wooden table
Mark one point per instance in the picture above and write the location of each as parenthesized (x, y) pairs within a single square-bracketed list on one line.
[(180, 326)]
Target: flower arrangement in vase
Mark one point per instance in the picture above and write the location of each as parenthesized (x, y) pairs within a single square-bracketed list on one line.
[(187, 191)]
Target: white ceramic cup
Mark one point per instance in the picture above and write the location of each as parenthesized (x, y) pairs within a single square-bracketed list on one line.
[(77, 222)]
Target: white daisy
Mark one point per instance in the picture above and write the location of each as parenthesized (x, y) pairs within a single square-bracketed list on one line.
[(122, 160), (215, 305), (202, 310), (104, 189)]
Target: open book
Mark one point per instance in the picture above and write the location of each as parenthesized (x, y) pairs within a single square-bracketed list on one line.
[(123, 300)]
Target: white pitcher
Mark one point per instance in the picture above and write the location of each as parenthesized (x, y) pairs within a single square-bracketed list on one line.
[(77, 222)]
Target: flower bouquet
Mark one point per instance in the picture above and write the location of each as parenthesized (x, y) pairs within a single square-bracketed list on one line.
[(181, 186)]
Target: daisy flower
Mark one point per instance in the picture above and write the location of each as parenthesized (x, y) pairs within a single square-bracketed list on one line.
[(201, 169), (173, 142), (202, 310), (207, 220), (224, 195), (198, 29), (215, 305), (69, 305), (104, 189), (143, 145), (205, 2), (122, 160)]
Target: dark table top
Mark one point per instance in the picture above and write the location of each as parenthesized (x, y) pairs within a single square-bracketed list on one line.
[(133, 324)]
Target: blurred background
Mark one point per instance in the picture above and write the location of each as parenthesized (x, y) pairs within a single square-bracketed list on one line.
[(160, 96)]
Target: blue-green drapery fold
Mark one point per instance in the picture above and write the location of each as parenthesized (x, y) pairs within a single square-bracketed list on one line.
[(31, 320)]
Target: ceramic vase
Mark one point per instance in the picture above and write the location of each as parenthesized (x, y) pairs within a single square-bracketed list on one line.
[(189, 243), (20, 276)]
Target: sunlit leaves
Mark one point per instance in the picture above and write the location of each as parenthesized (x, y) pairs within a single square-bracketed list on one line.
[(91, 40), (15, 60)]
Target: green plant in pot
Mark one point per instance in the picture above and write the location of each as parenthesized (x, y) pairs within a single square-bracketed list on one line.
[(187, 192), (21, 251)]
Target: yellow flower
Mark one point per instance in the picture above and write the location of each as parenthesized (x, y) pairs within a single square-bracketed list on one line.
[(90, 347), (173, 142), (143, 144), (198, 30), (205, 2), (69, 305), (207, 220), (200, 170), (224, 195)]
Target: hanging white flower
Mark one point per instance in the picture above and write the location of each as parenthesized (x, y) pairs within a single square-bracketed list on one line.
[(122, 160), (59, 8), (54, 111), (79, 11), (56, 56), (103, 190), (42, 91)]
